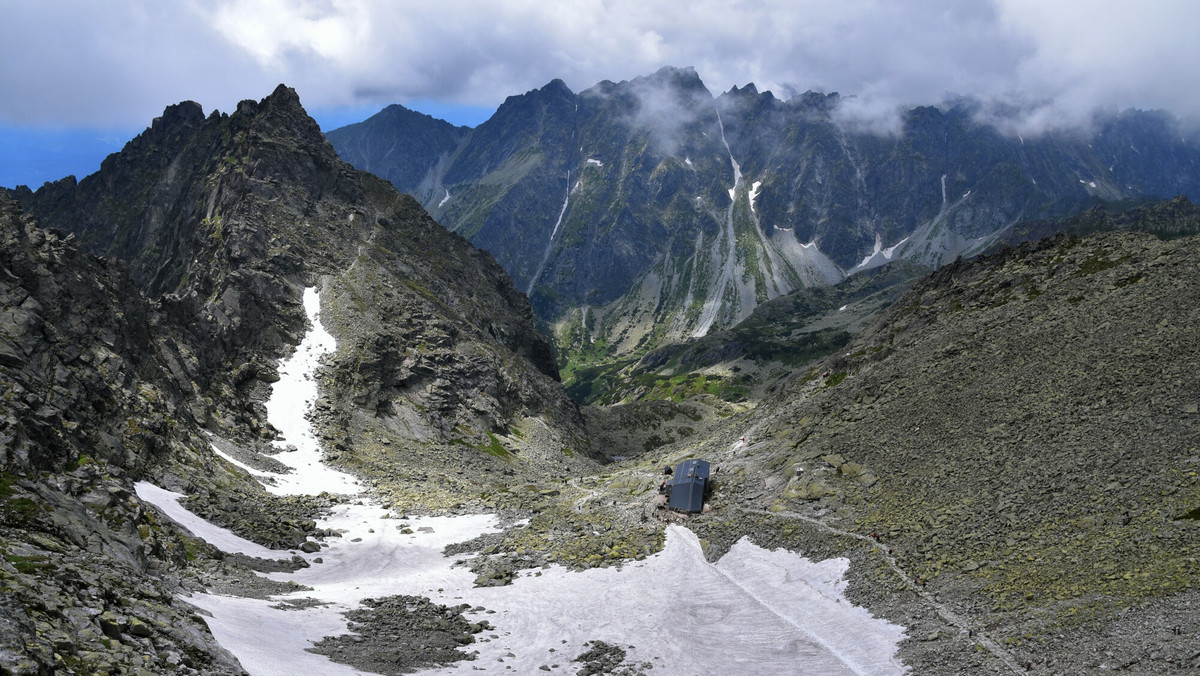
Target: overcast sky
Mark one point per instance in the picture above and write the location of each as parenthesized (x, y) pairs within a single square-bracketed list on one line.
[(103, 70)]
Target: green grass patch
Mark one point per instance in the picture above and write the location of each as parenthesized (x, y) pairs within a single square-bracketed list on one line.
[(30, 565), (835, 379), (496, 448), (1098, 262)]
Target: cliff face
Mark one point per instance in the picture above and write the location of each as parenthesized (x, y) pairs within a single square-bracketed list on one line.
[(94, 393)]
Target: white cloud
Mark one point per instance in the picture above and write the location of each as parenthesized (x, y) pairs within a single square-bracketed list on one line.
[(80, 62)]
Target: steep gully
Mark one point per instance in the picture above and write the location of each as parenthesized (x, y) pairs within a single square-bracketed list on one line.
[(773, 611), (724, 250), (550, 242)]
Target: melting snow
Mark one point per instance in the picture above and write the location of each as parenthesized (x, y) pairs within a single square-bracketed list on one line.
[(596, 162), (237, 463), (761, 611), (891, 250), (754, 193), (445, 199), (879, 255), (291, 398), (221, 538)]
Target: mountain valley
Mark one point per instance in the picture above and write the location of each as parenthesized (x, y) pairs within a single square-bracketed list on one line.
[(1003, 450)]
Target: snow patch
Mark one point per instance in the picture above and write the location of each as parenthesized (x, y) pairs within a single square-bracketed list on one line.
[(754, 193), (774, 610), (879, 255), (445, 199), (291, 398), (595, 162), (237, 463), (221, 538)]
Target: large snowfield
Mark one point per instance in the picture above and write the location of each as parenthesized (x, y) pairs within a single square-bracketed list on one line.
[(759, 611)]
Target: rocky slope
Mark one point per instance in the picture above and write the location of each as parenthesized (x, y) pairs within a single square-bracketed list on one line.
[(1010, 455), (90, 400), (647, 211), (130, 366)]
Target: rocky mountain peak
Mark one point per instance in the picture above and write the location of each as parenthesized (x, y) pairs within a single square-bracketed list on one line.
[(685, 79), (186, 113), (282, 113), (228, 219)]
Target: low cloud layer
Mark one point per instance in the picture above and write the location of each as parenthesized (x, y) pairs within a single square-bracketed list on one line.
[(81, 63)]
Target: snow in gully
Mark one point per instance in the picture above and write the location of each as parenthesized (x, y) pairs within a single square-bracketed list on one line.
[(770, 611)]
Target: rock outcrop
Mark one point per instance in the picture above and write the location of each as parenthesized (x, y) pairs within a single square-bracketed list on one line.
[(90, 399)]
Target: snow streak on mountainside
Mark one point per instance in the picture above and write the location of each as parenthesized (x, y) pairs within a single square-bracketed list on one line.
[(549, 242), (648, 241), (725, 253)]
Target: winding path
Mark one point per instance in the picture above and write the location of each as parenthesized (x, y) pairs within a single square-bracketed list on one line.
[(943, 610)]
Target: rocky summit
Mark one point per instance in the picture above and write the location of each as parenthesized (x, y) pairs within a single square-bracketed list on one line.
[(1006, 450)]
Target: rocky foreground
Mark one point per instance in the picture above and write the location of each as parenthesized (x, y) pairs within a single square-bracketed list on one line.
[(1009, 455), (1009, 458)]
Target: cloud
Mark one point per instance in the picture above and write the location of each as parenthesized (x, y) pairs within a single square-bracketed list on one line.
[(77, 62)]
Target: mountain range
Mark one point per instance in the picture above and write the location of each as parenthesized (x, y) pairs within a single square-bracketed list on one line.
[(650, 210), (1005, 450)]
